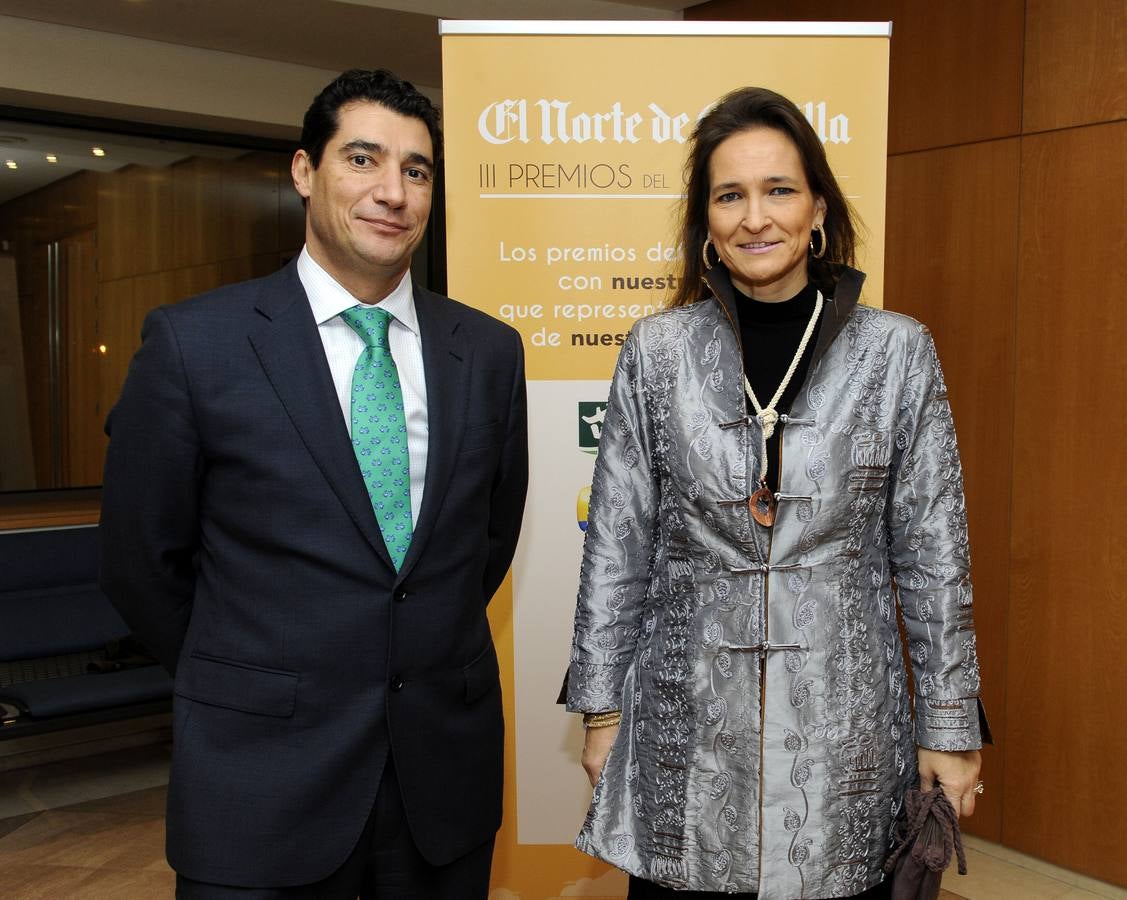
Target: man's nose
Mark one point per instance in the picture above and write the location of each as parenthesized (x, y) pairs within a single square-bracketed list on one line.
[(389, 189)]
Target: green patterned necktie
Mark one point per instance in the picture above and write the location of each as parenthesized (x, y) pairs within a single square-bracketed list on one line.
[(379, 429)]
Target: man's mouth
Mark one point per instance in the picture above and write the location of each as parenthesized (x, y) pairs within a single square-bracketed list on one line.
[(384, 224)]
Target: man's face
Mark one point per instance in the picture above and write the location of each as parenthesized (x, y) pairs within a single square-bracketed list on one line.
[(369, 199)]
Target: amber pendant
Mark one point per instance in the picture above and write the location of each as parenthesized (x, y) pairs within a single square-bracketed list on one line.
[(762, 505)]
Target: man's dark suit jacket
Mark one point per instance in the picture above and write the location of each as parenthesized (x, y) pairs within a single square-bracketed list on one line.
[(240, 544)]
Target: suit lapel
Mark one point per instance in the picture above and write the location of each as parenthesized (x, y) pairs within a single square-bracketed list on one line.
[(289, 349), (446, 361)]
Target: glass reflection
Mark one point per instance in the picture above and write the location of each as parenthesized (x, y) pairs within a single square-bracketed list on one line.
[(97, 229)]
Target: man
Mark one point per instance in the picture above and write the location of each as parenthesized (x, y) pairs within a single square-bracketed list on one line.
[(306, 530)]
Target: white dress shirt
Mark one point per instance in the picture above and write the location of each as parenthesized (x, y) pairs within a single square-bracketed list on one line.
[(343, 347)]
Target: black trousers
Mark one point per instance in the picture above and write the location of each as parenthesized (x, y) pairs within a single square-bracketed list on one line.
[(385, 865), (647, 890)]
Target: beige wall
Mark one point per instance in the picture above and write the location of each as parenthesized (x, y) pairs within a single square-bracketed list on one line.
[(75, 70), (1006, 186)]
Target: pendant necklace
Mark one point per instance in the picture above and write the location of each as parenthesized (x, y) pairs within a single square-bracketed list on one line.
[(762, 503)]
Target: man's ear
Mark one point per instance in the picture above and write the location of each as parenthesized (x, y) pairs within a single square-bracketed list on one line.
[(302, 171)]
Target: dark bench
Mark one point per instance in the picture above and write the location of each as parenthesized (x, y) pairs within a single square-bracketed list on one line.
[(55, 628)]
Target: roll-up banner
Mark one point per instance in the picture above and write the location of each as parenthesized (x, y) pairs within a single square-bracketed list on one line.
[(565, 148)]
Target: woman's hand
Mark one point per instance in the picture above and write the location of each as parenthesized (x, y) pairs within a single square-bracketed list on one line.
[(956, 771), (596, 748)]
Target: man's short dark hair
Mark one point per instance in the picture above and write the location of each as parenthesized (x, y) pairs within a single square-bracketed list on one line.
[(365, 86)]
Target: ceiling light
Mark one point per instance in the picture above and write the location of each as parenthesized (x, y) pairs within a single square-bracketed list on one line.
[(97, 151), (51, 158), (11, 164)]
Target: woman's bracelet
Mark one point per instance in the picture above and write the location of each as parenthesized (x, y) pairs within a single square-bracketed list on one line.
[(602, 719)]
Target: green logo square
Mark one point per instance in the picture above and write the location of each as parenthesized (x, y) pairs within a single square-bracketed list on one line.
[(591, 416)]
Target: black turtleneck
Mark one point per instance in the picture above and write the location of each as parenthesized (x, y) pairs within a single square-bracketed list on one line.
[(770, 334)]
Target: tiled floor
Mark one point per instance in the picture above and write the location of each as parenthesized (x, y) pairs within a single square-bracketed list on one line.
[(89, 829), (109, 848), (94, 830)]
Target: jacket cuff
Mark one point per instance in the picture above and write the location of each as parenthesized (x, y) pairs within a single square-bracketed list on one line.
[(958, 724), (593, 688)]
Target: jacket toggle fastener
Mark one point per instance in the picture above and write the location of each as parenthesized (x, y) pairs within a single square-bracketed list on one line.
[(764, 647), (764, 568), (742, 501), (784, 419)]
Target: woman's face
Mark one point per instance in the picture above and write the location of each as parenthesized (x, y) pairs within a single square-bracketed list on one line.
[(761, 212)]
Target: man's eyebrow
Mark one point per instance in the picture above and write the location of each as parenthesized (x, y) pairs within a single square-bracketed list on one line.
[(377, 149), (367, 146), (419, 159)]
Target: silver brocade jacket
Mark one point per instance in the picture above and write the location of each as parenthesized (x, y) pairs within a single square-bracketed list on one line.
[(767, 731)]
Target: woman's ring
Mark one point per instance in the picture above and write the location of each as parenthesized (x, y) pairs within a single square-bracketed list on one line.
[(979, 788)]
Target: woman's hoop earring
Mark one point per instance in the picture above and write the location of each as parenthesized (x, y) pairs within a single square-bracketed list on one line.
[(704, 253), (821, 251)]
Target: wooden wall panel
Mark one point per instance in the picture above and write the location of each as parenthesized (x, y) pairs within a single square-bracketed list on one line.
[(120, 330), (17, 467), (160, 238), (251, 207), (197, 213), (83, 442), (225, 209), (1065, 794), (134, 232), (291, 211), (35, 320), (29, 223), (952, 233), (955, 67), (60, 208), (158, 288), (1075, 63)]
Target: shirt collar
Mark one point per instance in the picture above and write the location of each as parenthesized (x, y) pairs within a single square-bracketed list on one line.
[(328, 299)]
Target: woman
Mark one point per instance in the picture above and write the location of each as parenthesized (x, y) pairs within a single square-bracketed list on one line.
[(775, 458)]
